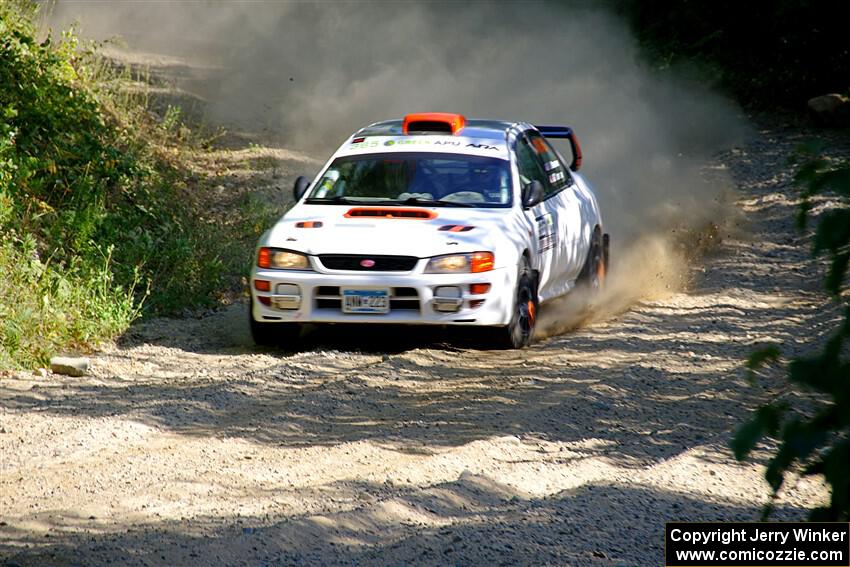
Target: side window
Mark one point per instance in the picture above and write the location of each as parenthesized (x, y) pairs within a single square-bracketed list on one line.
[(528, 164), (557, 175)]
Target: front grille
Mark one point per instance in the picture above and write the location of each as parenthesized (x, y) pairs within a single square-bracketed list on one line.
[(404, 298), (405, 292), (323, 303), (381, 263)]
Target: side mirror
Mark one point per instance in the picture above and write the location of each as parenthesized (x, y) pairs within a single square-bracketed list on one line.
[(532, 194), (301, 185)]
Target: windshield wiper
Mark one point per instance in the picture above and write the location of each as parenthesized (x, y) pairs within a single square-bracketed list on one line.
[(434, 202)]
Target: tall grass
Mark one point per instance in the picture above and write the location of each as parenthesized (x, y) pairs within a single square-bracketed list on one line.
[(47, 308), (98, 216)]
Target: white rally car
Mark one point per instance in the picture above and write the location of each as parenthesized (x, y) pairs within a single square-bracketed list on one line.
[(432, 220)]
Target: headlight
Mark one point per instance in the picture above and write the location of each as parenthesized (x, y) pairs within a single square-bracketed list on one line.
[(460, 263), (282, 259)]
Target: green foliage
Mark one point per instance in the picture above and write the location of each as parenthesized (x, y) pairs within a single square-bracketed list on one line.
[(765, 422), (87, 179), (760, 357), (46, 308), (818, 440), (249, 216), (171, 120)]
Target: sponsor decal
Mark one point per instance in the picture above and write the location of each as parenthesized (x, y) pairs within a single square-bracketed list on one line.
[(547, 234), (557, 176), (364, 143)]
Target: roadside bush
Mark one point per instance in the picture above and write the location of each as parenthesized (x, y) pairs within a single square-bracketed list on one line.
[(817, 439), (47, 308), (89, 184)]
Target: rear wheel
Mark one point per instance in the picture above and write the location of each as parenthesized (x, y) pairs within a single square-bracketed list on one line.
[(273, 334), (519, 332), (595, 269)]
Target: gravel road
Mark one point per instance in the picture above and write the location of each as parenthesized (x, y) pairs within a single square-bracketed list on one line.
[(187, 446)]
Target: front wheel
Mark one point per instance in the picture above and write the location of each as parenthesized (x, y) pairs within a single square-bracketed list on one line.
[(519, 332), (273, 334)]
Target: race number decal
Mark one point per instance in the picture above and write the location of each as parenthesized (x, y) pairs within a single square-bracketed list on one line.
[(547, 235)]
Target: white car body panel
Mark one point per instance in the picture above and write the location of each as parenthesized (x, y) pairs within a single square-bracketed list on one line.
[(565, 220)]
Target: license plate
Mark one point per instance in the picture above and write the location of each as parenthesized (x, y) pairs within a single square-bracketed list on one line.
[(365, 301)]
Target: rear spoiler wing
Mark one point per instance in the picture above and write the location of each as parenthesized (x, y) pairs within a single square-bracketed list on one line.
[(564, 133)]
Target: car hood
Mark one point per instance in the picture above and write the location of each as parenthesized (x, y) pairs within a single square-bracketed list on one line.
[(420, 237)]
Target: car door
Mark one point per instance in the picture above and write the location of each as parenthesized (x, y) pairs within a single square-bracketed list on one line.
[(544, 216), (564, 203)]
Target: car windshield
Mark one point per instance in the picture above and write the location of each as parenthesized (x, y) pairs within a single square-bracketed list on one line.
[(415, 178)]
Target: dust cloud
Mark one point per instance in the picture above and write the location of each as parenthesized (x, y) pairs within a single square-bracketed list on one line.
[(309, 74)]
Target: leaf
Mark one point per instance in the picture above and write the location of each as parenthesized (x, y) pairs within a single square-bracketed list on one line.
[(772, 415), (814, 468), (833, 231), (746, 437), (765, 421), (808, 172), (802, 439), (810, 148), (837, 180), (836, 475), (845, 330), (768, 509), (802, 216), (799, 441), (759, 358), (832, 352), (762, 356), (835, 275), (822, 514), (831, 417), (812, 372), (775, 473)]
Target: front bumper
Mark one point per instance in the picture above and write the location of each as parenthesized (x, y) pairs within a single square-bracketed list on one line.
[(412, 297)]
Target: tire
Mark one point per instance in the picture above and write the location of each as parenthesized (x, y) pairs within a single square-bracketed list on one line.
[(606, 252), (273, 334), (595, 269), (519, 332)]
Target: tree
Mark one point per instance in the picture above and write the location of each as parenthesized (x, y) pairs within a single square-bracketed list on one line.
[(819, 440)]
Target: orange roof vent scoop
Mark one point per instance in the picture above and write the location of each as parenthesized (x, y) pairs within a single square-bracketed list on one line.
[(433, 123), (390, 213)]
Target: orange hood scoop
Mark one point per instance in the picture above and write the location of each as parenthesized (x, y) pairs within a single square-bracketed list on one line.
[(390, 213)]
